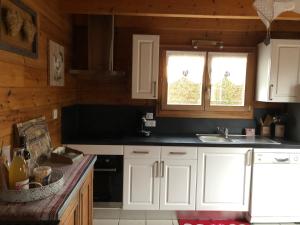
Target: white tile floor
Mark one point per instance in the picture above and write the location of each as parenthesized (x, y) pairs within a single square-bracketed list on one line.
[(134, 222)]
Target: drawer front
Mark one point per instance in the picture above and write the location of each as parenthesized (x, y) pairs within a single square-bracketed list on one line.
[(170, 152), (142, 152), (98, 149)]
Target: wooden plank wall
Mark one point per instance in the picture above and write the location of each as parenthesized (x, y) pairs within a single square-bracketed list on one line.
[(24, 89), (99, 89)]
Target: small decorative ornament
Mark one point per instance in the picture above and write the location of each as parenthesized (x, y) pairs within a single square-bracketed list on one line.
[(56, 64), (13, 21), (29, 30)]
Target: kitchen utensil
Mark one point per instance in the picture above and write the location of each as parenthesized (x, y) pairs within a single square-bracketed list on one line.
[(268, 120), (261, 121)]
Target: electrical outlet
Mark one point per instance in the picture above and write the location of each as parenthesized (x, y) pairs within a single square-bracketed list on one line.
[(149, 116), (150, 123), (54, 114)]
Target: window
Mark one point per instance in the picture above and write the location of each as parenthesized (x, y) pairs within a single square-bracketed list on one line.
[(207, 84), (227, 73), (185, 78)]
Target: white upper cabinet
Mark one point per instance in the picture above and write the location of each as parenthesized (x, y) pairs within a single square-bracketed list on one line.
[(145, 66), (278, 74), (224, 176)]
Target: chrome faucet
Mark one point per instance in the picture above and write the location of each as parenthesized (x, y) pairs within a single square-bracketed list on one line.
[(224, 131)]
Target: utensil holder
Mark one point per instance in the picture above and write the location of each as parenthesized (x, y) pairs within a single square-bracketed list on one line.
[(265, 131)]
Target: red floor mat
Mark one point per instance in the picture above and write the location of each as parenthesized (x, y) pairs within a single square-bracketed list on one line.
[(212, 222)]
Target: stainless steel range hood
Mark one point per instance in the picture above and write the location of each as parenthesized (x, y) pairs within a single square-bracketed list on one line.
[(111, 71), (100, 33)]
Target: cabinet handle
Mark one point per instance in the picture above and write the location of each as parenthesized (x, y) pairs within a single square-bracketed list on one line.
[(156, 169), (154, 89), (270, 92), (162, 168), (249, 157), (106, 170), (177, 153), (141, 152), (282, 160)]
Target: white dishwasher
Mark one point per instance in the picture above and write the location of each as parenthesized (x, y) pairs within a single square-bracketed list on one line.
[(275, 186)]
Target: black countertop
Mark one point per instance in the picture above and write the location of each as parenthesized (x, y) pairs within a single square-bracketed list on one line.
[(170, 140)]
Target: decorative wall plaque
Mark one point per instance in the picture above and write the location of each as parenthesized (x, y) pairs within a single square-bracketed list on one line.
[(18, 28)]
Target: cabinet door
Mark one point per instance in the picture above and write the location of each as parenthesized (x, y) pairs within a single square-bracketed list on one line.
[(145, 66), (178, 184), (223, 179), (86, 201), (285, 71), (141, 184), (72, 214)]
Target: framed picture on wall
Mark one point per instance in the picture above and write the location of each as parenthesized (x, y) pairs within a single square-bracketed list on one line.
[(18, 28), (56, 64)]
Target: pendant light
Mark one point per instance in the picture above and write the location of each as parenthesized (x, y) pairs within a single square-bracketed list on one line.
[(268, 10)]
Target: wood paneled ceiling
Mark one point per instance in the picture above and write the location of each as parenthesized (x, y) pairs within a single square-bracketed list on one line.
[(216, 9), (207, 25)]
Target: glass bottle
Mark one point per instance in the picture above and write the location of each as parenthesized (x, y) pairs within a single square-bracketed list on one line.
[(26, 154), (3, 174), (18, 172)]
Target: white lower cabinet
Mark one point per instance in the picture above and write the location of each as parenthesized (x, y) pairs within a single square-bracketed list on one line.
[(186, 178), (141, 189), (178, 185), (159, 178), (141, 178), (223, 182)]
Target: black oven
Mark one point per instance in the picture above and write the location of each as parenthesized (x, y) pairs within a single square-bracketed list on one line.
[(108, 179)]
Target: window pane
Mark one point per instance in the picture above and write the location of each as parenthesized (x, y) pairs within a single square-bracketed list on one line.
[(228, 79), (185, 77)]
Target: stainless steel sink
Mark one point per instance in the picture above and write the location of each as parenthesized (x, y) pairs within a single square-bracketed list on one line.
[(213, 139), (235, 139)]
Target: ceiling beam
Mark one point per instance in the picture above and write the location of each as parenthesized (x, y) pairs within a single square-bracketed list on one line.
[(189, 24), (218, 9)]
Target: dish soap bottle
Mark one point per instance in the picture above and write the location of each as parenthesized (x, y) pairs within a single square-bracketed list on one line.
[(18, 172)]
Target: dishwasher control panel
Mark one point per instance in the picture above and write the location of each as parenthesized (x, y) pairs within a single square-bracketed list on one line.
[(271, 158)]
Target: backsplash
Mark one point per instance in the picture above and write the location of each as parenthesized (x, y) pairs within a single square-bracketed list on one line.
[(293, 125), (95, 121)]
